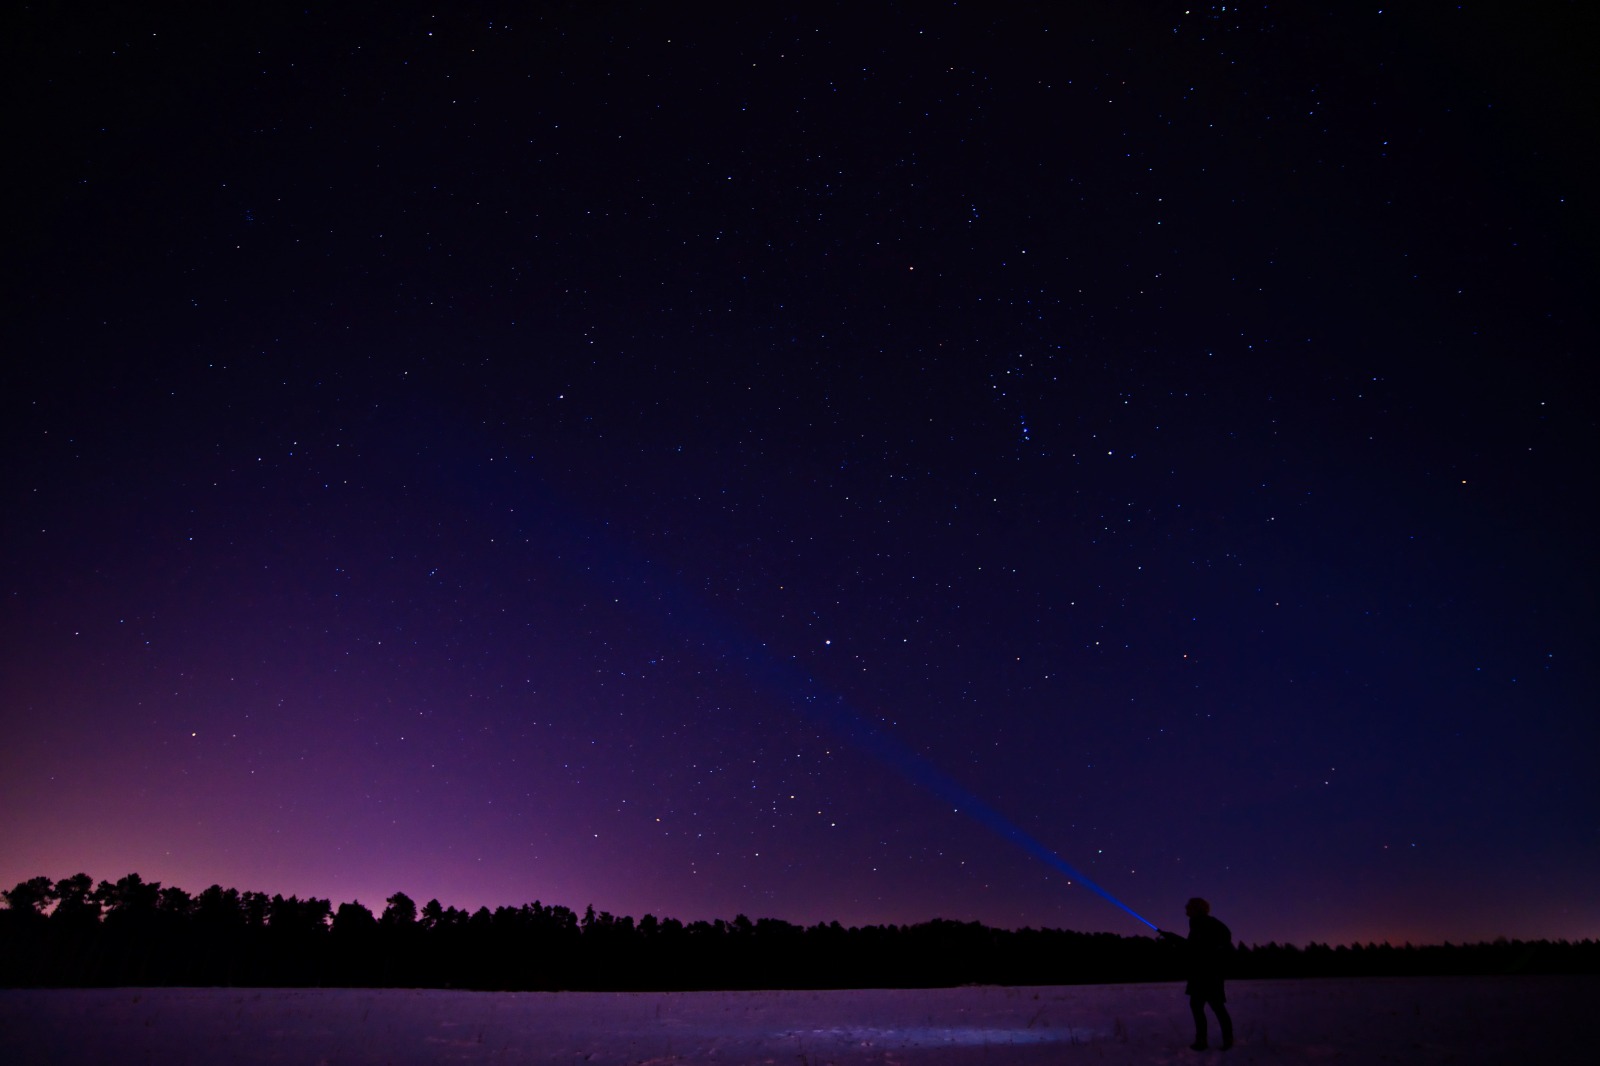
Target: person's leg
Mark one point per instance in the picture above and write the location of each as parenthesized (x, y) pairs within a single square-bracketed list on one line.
[(1197, 1007), (1225, 1022)]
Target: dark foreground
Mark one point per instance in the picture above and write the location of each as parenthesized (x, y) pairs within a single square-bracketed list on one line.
[(1412, 1020)]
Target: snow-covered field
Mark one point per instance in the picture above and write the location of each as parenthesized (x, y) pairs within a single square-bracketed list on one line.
[(1442, 1020)]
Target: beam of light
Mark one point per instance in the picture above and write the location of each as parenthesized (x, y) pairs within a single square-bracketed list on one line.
[(686, 613), (920, 771), (834, 713)]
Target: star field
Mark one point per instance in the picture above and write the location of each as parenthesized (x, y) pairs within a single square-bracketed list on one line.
[(606, 456)]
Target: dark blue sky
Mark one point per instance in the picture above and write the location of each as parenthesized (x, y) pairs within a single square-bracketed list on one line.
[(657, 460)]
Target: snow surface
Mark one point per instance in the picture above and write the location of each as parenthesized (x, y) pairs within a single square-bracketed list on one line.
[(1405, 1020)]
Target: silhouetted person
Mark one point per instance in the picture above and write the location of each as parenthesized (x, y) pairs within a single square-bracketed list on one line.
[(1206, 947)]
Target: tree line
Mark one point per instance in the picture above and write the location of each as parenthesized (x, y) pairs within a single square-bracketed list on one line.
[(75, 933)]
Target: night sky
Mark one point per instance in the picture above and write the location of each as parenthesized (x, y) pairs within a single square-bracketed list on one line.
[(692, 463)]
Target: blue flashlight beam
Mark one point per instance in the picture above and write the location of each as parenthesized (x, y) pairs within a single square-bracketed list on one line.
[(611, 559), (923, 773)]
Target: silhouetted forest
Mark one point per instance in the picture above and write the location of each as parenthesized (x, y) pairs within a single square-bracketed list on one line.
[(73, 932)]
